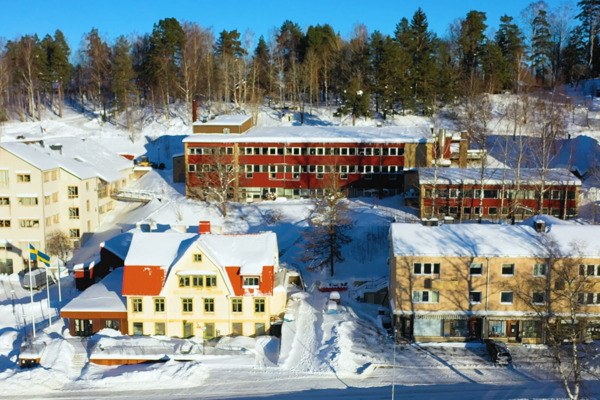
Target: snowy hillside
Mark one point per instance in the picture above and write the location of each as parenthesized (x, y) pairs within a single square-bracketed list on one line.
[(319, 355)]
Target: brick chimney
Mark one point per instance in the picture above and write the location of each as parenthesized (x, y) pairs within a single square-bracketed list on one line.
[(203, 227), (194, 111)]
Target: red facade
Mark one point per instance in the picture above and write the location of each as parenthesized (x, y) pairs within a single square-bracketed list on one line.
[(295, 169)]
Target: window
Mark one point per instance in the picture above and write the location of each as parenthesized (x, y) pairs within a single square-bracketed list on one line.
[(136, 305), (532, 329), (589, 270), (425, 296), (23, 178), (47, 199), (3, 178), (508, 269), (4, 201), (492, 210), (589, 298), (209, 330), (211, 281), (159, 305), (236, 329), (29, 223), (74, 233), (506, 297), (55, 197), (187, 305), (197, 257), (426, 268), (184, 281), (73, 212), (490, 194), (197, 281), (236, 305), (72, 192), (4, 223), (251, 281), (112, 324), (539, 269), (538, 297), (209, 305), (474, 297), (259, 329), (259, 305), (159, 328), (476, 269), (28, 201)]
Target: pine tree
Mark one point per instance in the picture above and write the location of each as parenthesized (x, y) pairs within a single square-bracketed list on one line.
[(97, 65), (470, 46), (355, 101), (164, 53), (511, 42), (590, 27), (541, 46), (229, 52), (421, 48), (327, 232), (123, 75), (388, 72)]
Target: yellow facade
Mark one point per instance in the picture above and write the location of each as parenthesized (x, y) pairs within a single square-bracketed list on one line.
[(192, 308)]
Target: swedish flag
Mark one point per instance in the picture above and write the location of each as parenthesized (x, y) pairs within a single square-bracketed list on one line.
[(43, 258), (37, 255), (33, 253)]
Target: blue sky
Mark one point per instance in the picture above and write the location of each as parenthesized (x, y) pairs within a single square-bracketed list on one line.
[(113, 18)]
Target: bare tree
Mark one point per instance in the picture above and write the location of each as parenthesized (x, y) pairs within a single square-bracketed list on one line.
[(327, 227), (558, 293), (216, 179)]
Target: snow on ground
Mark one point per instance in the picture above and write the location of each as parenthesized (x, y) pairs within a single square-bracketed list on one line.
[(345, 354)]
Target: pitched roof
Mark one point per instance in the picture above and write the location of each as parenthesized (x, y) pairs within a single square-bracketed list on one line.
[(251, 252), (104, 296), (493, 240), (82, 162)]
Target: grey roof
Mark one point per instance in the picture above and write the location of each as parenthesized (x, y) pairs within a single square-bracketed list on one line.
[(472, 176), (83, 161), (321, 134)]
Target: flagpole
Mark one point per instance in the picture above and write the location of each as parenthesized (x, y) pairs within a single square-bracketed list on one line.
[(48, 296), (31, 290)]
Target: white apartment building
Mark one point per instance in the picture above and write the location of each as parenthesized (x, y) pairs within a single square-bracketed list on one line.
[(47, 188)]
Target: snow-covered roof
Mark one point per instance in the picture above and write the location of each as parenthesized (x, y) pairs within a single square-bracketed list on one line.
[(492, 176), (237, 119), (321, 134), (251, 252), (102, 296), (118, 245), (156, 248), (493, 240), (82, 162)]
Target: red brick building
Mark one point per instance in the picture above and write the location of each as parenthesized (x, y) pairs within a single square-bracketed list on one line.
[(461, 193)]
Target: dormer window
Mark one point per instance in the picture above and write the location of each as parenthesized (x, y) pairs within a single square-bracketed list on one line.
[(251, 281), (197, 257)]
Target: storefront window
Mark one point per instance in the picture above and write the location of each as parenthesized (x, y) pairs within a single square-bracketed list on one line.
[(456, 328), (428, 327), (532, 329), (497, 329)]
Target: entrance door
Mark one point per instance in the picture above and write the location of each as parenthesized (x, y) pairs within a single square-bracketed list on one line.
[(513, 329), (83, 327)]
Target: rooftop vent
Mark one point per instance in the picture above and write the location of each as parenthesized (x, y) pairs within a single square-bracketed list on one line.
[(540, 226)]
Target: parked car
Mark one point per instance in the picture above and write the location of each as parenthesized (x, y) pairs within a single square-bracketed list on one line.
[(499, 352)]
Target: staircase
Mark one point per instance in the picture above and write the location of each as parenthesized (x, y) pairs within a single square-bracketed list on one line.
[(80, 356)]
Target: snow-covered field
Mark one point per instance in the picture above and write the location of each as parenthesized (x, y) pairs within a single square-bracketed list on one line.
[(320, 355)]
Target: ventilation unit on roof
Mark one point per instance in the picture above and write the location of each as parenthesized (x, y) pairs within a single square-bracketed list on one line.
[(540, 226)]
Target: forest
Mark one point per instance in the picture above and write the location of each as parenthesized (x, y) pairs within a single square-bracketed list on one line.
[(412, 71)]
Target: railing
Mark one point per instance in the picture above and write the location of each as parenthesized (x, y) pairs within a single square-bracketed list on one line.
[(131, 194)]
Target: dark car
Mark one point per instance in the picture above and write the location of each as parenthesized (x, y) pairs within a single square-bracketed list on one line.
[(499, 352)]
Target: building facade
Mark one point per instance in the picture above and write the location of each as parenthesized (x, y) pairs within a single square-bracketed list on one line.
[(301, 161), (496, 194), (477, 281), (43, 191), (207, 285)]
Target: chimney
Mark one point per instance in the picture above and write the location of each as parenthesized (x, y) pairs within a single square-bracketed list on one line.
[(194, 111), (204, 227), (540, 226)]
